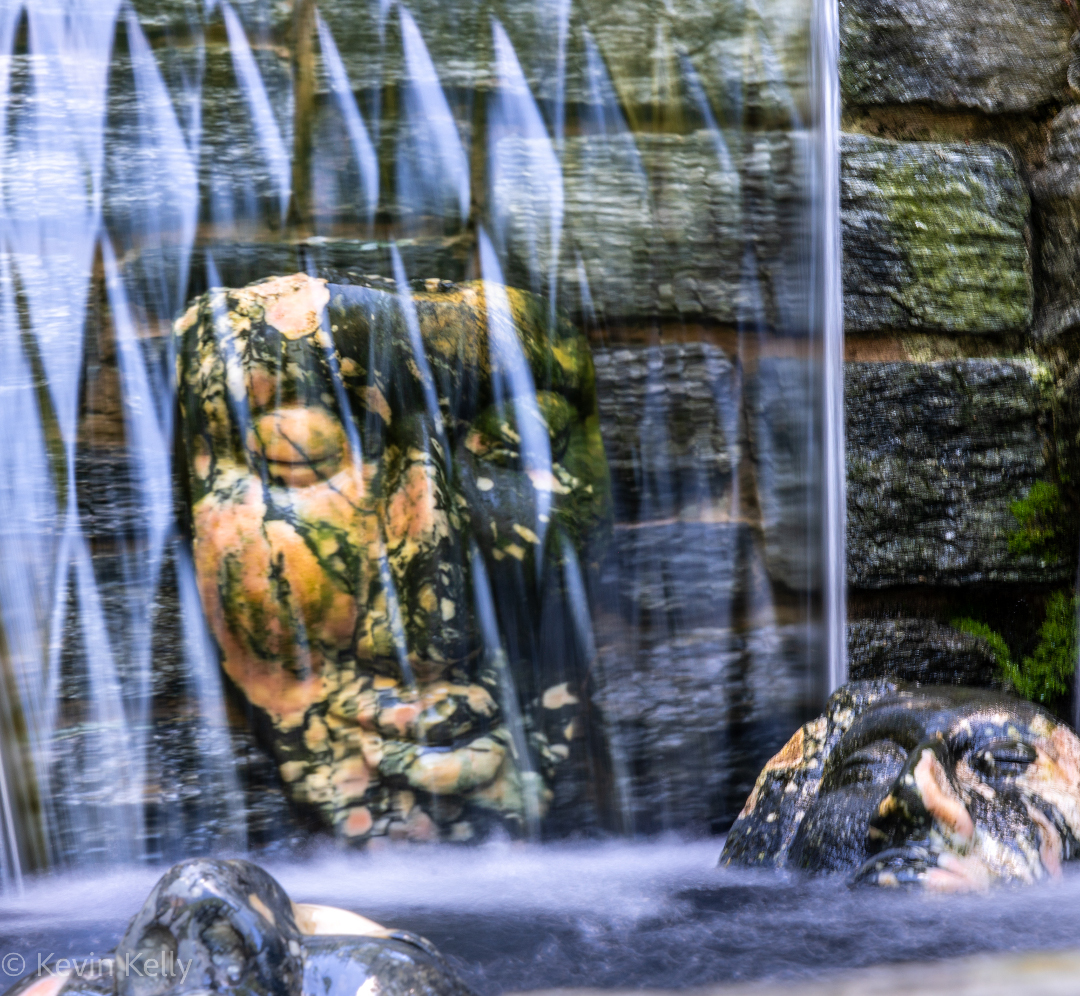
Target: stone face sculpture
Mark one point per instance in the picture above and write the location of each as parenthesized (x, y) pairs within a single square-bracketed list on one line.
[(943, 787), (228, 926), (376, 474)]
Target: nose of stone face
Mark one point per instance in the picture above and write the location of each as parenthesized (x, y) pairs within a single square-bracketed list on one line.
[(214, 925), (923, 798)]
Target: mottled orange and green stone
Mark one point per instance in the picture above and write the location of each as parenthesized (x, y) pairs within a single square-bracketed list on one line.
[(355, 466)]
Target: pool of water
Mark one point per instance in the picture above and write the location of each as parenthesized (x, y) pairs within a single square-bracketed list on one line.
[(651, 914)]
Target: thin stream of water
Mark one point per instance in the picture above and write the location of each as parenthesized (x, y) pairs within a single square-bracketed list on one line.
[(827, 283)]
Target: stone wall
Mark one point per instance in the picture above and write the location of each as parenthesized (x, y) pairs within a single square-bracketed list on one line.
[(961, 279)]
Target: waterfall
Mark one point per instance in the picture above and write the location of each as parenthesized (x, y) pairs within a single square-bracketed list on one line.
[(826, 283), (650, 193)]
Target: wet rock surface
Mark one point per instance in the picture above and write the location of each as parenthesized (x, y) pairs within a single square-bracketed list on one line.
[(952, 789), (669, 416), (996, 57), (760, 60), (937, 452), (918, 650), (787, 476), (661, 225), (934, 237), (687, 713), (213, 925), (1056, 192)]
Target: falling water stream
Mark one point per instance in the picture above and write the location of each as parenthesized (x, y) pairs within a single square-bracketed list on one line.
[(667, 185), (827, 283)]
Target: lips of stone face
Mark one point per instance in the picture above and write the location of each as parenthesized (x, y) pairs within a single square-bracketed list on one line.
[(346, 474), (947, 788)]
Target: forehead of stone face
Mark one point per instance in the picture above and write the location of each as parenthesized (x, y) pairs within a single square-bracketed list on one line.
[(228, 922), (961, 718), (387, 355), (479, 342)]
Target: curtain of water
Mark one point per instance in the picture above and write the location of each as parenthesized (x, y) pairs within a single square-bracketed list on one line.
[(647, 177)]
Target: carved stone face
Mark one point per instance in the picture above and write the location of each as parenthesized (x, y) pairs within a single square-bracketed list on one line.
[(228, 926), (366, 468), (947, 788)]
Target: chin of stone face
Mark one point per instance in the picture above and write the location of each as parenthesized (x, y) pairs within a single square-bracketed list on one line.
[(939, 787), (381, 478)]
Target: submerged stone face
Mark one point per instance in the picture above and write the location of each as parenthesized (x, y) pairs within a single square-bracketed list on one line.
[(361, 460), (936, 453), (934, 237), (228, 926), (952, 789), (997, 57)]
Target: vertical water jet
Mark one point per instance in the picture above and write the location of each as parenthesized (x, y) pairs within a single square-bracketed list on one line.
[(828, 290)]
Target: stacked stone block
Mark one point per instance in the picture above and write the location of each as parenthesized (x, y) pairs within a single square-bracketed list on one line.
[(962, 289)]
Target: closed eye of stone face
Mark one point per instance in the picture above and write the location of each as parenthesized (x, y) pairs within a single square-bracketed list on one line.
[(301, 446), (1002, 758), (878, 763)]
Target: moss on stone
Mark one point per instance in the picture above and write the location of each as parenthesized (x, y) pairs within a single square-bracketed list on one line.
[(935, 237), (1046, 676), (999, 650), (1038, 515), (954, 231)]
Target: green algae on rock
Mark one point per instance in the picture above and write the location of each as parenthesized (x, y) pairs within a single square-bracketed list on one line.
[(359, 456), (934, 237)]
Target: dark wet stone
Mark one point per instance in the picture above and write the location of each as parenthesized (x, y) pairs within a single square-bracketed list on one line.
[(779, 395), (690, 714), (229, 921), (669, 417), (998, 56), (918, 650), (673, 575), (936, 453), (404, 965), (934, 237), (1055, 190)]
